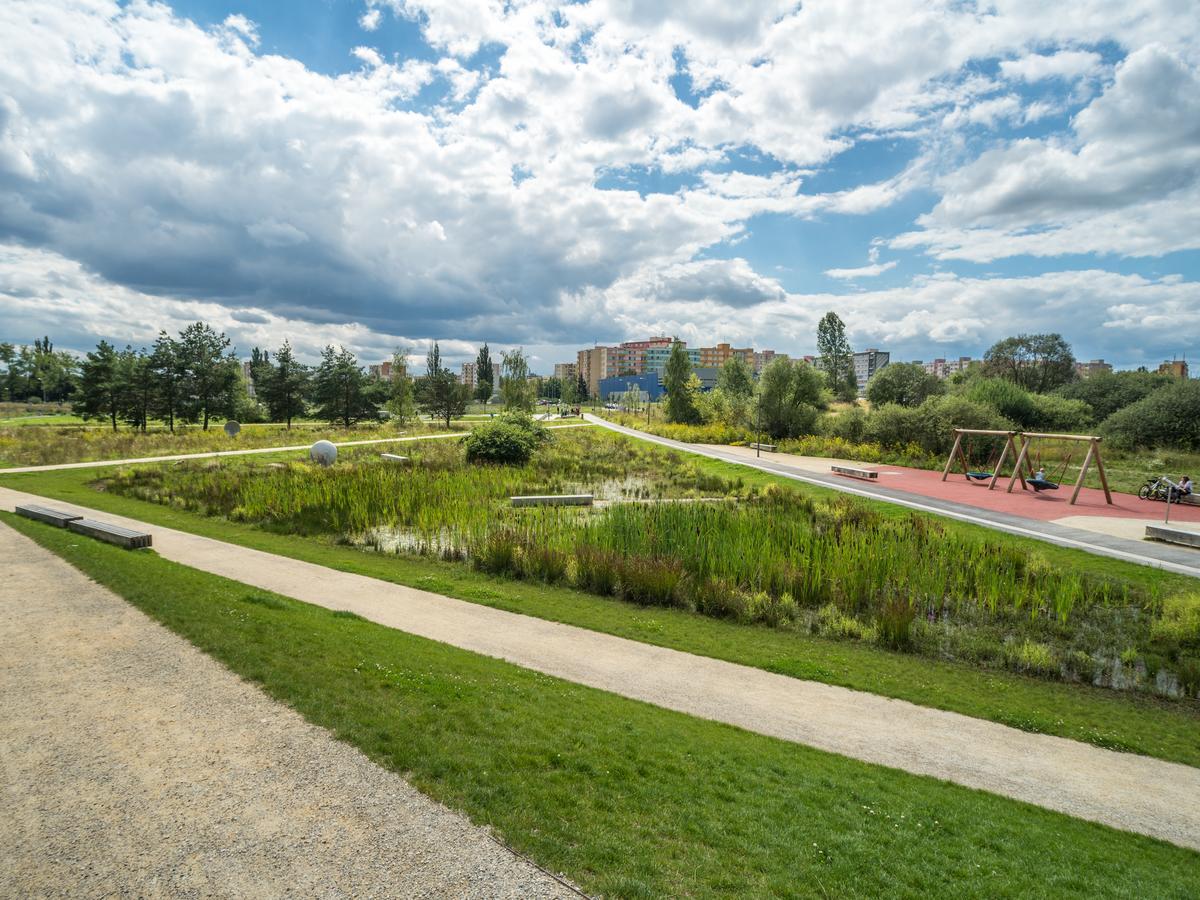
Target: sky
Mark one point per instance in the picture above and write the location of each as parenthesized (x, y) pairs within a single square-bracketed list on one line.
[(383, 173)]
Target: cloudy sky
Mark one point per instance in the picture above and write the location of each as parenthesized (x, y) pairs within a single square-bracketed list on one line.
[(383, 172)]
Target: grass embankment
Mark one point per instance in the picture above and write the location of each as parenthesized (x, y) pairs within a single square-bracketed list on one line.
[(627, 799), (25, 445), (1168, 730)]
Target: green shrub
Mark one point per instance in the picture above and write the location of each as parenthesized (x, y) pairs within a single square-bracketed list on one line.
[(1052, 412), (906, 384), (1009, 400), (1107, 392), (1179, 623), (1170, 417), (510, 440), (848, 425)]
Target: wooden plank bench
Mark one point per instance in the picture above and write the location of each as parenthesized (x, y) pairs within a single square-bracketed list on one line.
[(1171, 535), (553, 500), (855, 472), (47, 515), (393, 457), (755, 445), (112, 534)]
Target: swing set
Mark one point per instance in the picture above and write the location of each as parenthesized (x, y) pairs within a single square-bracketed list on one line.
[(995, 463), (1023, 466), (1044, 484)]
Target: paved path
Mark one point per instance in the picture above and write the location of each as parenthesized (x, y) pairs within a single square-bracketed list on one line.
[(99, 463), (1147, 553), (131, 764), (1126, 791)]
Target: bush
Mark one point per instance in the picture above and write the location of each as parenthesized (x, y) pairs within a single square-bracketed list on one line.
[(1009, 400), (907, 384), (1107, 392), (931, 425), (848, 425), (509, 440), (1052, 412), (1170, 417)]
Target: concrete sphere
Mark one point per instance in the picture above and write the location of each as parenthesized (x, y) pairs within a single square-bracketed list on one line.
[(323, 452), (232, 428)]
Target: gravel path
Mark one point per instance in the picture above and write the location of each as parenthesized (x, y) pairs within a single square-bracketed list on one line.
[(1126, 791), (133, 765)]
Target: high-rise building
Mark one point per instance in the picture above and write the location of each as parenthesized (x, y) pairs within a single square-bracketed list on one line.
[(566, 371), (470, 377), (866, 364), (1093, 367), (1176, 368), (720, 354)]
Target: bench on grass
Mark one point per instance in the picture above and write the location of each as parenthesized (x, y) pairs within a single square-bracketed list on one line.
[(112, 534), (393, 457), (553, 500), (47, 515), (1171, 535), (855, 472), (755, 445)]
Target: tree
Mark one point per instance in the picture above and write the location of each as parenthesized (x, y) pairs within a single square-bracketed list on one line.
[(8, 354), (166, 364), (438, 392), (568, 391), (1037, 362), (484, 374), (99, 396), (285, 386), (907, 384), (681, 393), (582, 395), (340, 389), (137, 386), (788, 396), (210, 373), (736, 378), (1170, 417), (401, 402), (1108, 392), (837, 358), (515, 387)]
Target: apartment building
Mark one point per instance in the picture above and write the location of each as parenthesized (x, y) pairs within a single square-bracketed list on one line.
[(1176, 368), (1092, 367), (469, 376), (944, 368), (866, 364), (717, 356), (566, 371)]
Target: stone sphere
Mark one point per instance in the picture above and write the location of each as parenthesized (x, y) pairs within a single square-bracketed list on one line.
[(323, 452)]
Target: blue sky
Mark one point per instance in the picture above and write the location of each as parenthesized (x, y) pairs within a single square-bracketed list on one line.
[(382, 173)]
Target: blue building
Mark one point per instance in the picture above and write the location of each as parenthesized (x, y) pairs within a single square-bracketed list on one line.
[(649, 384)]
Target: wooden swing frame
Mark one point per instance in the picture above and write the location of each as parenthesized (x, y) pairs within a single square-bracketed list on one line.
[(1093, 455), (957, 453)]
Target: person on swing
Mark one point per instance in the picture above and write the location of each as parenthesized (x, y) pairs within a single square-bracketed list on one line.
[(1040, 474)]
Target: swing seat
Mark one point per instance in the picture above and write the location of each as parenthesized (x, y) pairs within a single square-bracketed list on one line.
[(979, 476), (1040, 485)]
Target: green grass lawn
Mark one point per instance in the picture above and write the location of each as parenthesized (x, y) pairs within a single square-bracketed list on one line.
[(627, 799), (1137, 723)]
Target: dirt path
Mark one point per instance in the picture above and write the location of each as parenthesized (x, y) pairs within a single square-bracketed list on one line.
[(1130, 792), (133, 765)]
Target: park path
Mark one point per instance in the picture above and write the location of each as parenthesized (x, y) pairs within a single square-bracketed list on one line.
[(100, 463), (1126, 791), (133, 765), (1066, 532)]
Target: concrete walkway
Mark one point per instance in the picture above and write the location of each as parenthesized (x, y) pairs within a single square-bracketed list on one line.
[(1161, 556), (133, 765), (100, 463), (1125, 791)]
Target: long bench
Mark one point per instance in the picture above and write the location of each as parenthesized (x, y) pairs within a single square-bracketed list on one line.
[(393, 457), (1172, 535), (855, 472), (553, 500), (46, 514), (112, 534), (755, 445)]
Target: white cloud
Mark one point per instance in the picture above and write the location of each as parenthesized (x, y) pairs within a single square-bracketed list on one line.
[(869, 271), (370, 20), (1066, 64)]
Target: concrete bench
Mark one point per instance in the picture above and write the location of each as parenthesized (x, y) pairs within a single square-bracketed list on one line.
[(855, 472), (1171, 535), (393, 457), (47, 515), (755, 445), (112, 534), (1190, 500), (553, 500)]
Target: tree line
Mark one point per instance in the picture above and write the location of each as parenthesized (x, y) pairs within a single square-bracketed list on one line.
[(195, 377)]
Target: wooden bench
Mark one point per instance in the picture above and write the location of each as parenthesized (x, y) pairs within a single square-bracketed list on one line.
[(553, 500), (1171, 535), (47, 515), (755, 445), (393, 457), (855, 472), (112, 534)]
